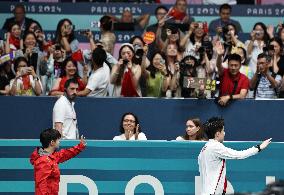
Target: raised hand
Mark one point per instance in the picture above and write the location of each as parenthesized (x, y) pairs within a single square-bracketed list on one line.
[(265, 143), (83, 140), (219, 48)]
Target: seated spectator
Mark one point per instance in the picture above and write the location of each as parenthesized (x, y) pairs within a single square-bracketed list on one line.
[(26, 82), (265, 83), (160, 13), (276, 52), (108, 38), (19, 17), (125, 75), (65, 36), (130, 128), (254, 46), (234, 85), (13, 38), (139, 23), (216, 25), (51, 67), (157, 76), (218, 2), (194, 131), (6, 75), (99, 80), (69, 71)]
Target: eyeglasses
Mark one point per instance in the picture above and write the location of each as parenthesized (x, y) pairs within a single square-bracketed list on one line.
[(128, 121)]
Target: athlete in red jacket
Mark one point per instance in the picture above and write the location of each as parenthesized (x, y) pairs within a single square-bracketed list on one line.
[(45, 161)]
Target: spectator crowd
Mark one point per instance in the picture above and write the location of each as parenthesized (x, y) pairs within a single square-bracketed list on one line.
[(187, 58)]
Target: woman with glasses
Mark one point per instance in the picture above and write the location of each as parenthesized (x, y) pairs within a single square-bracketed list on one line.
[(130, 129)]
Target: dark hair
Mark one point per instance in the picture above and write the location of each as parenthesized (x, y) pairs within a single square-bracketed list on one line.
[(212, 126), (69, 81), (17, 62), (20, 5), (278, 41), (58, 36), (136, 37), (235, 57), (152, 69), (245, 55), (64, 64), (99, 56), (49, 135), (264, 55), (136, 122), (200, 134), (160, 7), (29, 25), (225, 6), (10, 26), (106, 23), (119, 76), (266, 36)]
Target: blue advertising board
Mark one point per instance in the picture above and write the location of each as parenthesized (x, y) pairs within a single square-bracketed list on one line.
[(117, 167)]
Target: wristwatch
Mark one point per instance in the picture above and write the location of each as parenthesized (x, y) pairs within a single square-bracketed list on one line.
[(36, 78), (258, 147)]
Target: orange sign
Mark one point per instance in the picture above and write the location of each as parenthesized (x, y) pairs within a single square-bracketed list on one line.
[(149, 37)]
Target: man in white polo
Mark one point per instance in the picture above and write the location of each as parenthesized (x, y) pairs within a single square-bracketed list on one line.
[(212, 158), (64, 115)]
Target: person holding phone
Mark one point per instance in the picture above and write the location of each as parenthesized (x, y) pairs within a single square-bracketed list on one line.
[(130, 128), (65, 36), (26, 81), (157, 76)]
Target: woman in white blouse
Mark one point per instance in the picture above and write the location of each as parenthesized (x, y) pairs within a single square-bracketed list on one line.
[(129, 128), (194, 131)]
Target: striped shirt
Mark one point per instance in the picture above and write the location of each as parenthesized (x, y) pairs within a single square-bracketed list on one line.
[(264, 89)]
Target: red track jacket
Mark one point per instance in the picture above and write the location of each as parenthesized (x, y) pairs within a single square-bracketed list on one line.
[(46, 171)]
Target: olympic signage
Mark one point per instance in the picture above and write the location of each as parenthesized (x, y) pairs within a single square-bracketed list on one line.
[(143, 167)]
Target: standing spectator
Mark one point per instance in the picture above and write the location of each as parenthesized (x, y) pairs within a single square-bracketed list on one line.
[(219, 2), (70, 71), (160, 13), (254, 46), (46, 159), (280, 33), (225, 11), (13, 41), (107, 36), (178, 13), (194, 131), (130, 128), (264, 83), (234, 85), (26, 82), (125, 75), (32, 51), (277, 56), (64, 115), (157, 76), (19, 17), (99, 80), (65, 36)]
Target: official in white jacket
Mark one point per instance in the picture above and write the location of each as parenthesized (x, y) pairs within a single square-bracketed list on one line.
[(212, 158)]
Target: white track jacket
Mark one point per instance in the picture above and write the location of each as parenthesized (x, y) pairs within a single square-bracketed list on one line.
[(212, 165)]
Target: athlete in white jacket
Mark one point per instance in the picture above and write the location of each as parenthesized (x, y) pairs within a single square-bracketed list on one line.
[(212, 158)]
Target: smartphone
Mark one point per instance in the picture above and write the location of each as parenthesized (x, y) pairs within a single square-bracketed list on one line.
[(162, 61), (25, 70)]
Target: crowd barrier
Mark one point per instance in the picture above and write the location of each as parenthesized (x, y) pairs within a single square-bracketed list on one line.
[(120, 168), (160, 119)]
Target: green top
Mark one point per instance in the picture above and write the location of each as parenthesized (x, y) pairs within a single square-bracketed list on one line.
[(154, 85)]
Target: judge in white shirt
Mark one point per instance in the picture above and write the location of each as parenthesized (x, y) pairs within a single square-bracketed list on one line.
[(194, 131), (212, 158), (129, 128)]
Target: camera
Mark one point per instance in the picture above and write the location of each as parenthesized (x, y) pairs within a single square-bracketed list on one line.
[(225, 30), (125, 61), (258, 32), (138, 50), (201, 50), (25, 70), (83, 31)]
